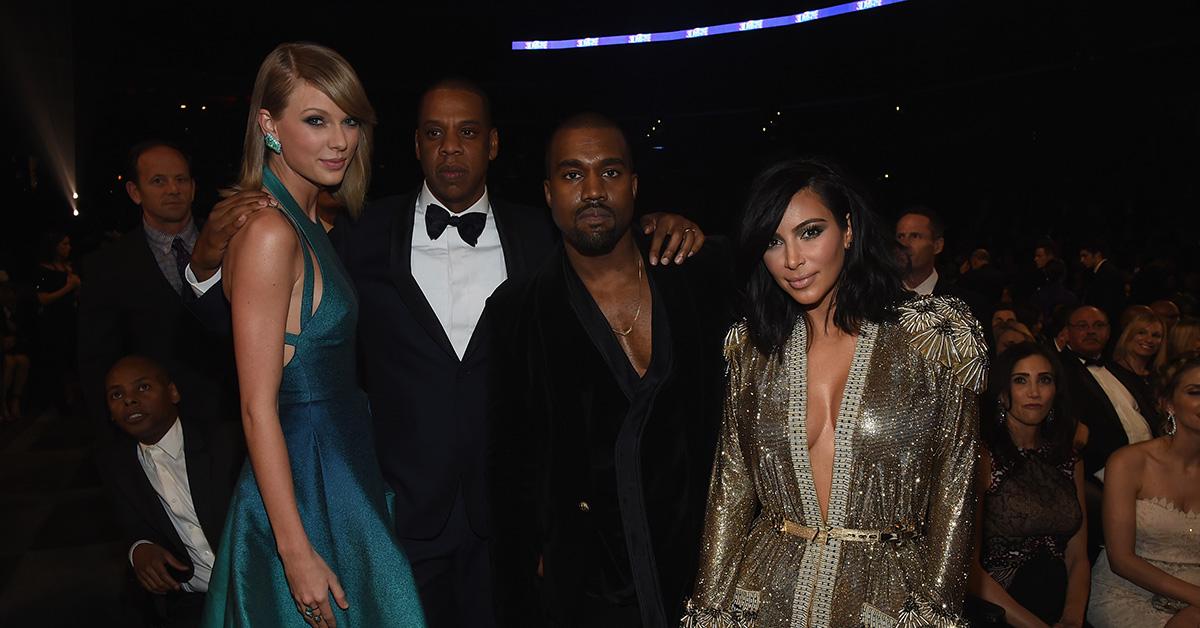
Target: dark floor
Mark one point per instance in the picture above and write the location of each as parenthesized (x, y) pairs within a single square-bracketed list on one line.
[(62, 562)]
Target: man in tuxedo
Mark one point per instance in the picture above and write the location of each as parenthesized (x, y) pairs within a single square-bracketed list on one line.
[(132, 298), (424, 264), (921, 235), (606, 398), (1101, 403), (171, 478)]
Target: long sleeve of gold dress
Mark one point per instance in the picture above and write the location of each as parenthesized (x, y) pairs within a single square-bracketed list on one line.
[(895, 548)]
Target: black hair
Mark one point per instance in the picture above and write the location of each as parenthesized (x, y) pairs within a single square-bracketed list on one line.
[(1058, 430), (135, 153), (589, 120), (869, 286), (461, 84), (1047, 245), (936, 225), (1095, 245)]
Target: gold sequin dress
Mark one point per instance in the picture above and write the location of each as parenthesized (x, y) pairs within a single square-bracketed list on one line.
[(905, 451)]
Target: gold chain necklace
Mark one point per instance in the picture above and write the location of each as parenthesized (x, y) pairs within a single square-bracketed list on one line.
[(638, 312)]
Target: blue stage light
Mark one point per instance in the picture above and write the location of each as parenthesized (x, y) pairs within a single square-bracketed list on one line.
[(703, 31)]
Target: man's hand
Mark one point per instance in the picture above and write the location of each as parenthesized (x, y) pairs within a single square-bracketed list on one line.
[(685, 237), (150, 563), (226, 219)]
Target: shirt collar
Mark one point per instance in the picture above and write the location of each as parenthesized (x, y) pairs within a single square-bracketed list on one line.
[(162, 241), (171, 442), (925, 288), (426, 198)]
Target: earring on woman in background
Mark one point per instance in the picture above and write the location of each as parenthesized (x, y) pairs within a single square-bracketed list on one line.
[(1171, 424), (273, 144), (1050, 416), (1001, 411)]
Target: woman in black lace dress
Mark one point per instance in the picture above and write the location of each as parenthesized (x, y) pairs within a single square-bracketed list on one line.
[(1033, 546)]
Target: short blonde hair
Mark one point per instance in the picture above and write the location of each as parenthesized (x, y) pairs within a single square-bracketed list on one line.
[(1138, 322), (333, 76)]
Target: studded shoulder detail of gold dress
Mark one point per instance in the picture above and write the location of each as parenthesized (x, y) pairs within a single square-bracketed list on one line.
[(895, 546)]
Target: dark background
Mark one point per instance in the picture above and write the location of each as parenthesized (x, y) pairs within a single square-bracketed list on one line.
[(1016, 119)]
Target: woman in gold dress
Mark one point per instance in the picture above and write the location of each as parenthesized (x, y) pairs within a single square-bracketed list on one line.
[(841, 493)]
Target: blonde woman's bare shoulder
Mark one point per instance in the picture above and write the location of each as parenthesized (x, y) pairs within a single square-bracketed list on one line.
[(268, 228)]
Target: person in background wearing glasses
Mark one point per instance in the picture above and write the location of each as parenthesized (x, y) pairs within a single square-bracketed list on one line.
[(1103, 403)]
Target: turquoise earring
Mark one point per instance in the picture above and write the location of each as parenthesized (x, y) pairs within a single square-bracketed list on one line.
[(273, 144)]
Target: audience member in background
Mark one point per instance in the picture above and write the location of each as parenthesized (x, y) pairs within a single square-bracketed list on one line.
[(1032, 554), (921, 234), (1002, 314), (1149, 573), (1053, 293), (1183, 338), (134, 299), (1130, 312), (14, 355), (171, 479), (1103, 283), (1102, 403), (980, 278), (1044, 252), (1058, 330), (56, 283), (1137, 355), (1168, 311), (1010, 333)]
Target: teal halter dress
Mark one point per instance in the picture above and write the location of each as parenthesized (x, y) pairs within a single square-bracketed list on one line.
[(344, 504)]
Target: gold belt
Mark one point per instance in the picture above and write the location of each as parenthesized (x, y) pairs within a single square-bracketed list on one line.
[(896, 535)]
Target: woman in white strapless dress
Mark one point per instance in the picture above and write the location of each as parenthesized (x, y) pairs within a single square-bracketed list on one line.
[(1149, 573)]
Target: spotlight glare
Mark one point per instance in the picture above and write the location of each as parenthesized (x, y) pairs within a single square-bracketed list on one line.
[(119, 177), (778, 113), (897, 107), (75, 196), (183, 106), (886, 175), (75, 212), (203, 107), (764, 129)]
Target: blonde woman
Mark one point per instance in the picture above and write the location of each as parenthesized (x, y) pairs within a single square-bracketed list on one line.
[(309, 534), (1139, 352)]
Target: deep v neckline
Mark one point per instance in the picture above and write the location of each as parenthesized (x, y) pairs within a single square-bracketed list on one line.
[(845, 423)]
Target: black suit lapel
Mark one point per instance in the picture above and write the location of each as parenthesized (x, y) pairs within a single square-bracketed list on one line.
[(401, 272), (131, 479), (515, 264), (199, 472), (145, 259)]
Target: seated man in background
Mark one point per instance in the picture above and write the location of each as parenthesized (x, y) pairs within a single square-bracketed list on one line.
[(171, 481)]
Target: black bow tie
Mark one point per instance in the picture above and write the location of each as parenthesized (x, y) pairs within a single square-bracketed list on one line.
[(1088, 361), (469, 225)]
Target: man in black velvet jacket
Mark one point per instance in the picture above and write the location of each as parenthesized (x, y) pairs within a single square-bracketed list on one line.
[(606, 397)]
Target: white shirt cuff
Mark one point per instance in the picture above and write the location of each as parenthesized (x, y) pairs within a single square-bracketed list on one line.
[(200, 287), (135, 546)]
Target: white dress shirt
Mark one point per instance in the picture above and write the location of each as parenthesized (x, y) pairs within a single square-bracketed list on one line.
[(1137, 429), (166, 468), (925, 288), (455, 277)]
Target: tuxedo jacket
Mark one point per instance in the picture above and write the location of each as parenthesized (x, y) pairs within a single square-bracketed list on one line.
[(126, 306), (551, 385), (1092, 408), (428, 406), (213, 453)]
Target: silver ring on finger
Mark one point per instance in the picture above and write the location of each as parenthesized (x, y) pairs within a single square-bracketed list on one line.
[(688, 230), (308, 612)]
